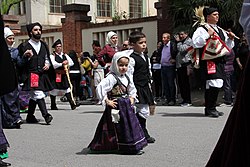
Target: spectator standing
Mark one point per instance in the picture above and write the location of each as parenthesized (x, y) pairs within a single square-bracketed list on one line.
[(106, 54), (86, 63), (167, 54), (241, 56), (228, 78), (156, 72), (183, 60)]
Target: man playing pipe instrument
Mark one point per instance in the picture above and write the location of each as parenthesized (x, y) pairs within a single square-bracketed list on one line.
[(213, 44)]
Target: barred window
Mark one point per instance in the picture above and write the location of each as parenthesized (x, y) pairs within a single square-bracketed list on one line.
[(104, 8), (56, 5), (135, 8)]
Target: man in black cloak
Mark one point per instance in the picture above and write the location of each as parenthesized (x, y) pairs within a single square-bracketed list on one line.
[(8, 83)]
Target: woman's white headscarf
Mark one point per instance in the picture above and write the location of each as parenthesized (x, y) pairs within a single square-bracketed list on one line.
[(108, 38), (114, 64)]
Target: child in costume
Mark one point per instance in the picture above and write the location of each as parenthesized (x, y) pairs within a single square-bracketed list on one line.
[(119, 129), (140, 72)]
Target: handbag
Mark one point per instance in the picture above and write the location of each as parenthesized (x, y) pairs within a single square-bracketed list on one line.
[(214, 48)]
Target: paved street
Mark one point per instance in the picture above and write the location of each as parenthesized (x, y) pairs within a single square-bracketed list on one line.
[(184, 138)]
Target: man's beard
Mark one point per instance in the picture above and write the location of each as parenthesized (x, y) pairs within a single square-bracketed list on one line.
[(36, 36)]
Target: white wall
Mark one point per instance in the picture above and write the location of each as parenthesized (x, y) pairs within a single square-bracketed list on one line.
[(148, 28)]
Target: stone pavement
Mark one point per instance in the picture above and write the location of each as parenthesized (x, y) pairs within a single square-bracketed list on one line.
[(184, 138)]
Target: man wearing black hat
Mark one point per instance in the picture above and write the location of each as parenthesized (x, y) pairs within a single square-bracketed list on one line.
[(61, 62), (212, 69), (36, 72)]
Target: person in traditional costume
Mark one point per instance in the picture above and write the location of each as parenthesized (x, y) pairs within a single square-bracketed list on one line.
[(212, 57), (61, 61), (7, 84), (37, 73), (140, 73), (119, 129), (11, 107), (233, 145)]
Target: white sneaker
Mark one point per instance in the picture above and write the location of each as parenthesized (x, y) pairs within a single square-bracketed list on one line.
[(186, 104), (225, 105)]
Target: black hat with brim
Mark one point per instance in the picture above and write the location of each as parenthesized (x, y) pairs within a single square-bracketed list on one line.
[(31, 26), (56, 43)]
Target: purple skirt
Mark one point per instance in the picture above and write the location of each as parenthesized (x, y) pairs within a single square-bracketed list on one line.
[(125, 136)]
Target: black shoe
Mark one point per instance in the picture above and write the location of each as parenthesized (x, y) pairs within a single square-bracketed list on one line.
[(211, 113), (150, 140), (48, 118), (171, 103), (4, 164), (54, 108), (18, 123), (220, 113), (31, 119), (140, 152), (63, 99)]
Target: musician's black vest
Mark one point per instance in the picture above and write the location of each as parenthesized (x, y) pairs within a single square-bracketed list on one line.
[(219, 62)]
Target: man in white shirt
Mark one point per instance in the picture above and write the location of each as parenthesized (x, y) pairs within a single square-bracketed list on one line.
[(213, 69), (60, 62)]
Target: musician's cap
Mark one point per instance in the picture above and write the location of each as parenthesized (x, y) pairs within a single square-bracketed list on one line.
[(209, 10), (7, 32), (56, 43), (29, 27)]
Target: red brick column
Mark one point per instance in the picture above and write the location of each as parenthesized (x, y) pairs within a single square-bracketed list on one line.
[(164, 20), (75, 20)]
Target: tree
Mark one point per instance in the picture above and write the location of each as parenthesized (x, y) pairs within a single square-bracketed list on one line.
[(183, 13), (6, 5)]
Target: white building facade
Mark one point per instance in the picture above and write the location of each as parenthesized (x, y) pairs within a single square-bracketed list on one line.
[(49, 12)]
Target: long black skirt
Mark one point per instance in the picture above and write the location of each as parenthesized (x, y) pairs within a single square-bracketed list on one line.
[(233, 147), (126, 136)]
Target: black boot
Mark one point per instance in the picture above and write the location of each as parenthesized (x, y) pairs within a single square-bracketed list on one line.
[(53, 102), (31, 110), (211, 96), (42, 106), (143, 125), (4, 164), (71, 101)]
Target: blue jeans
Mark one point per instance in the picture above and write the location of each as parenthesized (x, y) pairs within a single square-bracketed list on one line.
[(87, 87), (168, 75)]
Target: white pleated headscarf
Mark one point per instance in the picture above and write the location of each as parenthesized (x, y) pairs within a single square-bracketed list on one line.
[(108, 38), (114, 64)]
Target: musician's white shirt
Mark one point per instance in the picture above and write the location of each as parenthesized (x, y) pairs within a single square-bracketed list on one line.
[(56, 64), (199, 39)]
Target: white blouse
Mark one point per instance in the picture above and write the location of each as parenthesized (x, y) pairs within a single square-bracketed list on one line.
[(108, 83)]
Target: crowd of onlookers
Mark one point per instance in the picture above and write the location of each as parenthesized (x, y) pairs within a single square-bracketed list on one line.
[(173, 78)]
